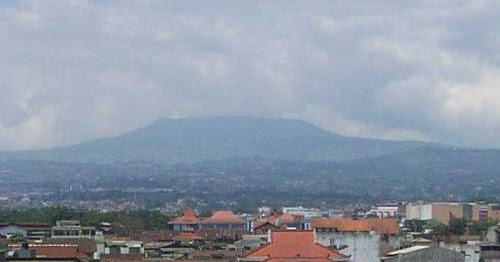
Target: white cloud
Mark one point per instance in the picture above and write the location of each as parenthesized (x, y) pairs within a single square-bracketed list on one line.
[(76, 70)]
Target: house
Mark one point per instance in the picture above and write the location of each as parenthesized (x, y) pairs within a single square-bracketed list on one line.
[(251, 241), (223, 220), (72, 229), (45, 252), (29, 231), (188, 238), (262, 226), (361, 239), (275, 221), (292, 245), (122, 246), (489, 252), (424, 253), (188, 221), (288, 221)]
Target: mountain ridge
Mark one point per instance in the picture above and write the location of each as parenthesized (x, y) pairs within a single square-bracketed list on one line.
[(168, 140)]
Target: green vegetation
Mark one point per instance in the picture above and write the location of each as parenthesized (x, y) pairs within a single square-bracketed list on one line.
[(142, 219), (439, 229)]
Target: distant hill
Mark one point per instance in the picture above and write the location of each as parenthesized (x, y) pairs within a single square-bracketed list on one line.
[(217, 138), (426, 172)]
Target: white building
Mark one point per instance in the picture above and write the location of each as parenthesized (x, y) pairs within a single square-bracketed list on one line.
[(360, 246), (307, 213), (72, 229), (385, 211), (419, 212)]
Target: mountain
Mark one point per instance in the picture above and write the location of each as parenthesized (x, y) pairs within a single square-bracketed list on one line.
[(216, 138)]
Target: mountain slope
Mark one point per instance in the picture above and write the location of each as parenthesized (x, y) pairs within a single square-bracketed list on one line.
[(431, 173), (216, 138)]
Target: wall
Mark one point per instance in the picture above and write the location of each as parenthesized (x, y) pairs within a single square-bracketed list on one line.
[(419, 212), (443, 212), (362, 247)]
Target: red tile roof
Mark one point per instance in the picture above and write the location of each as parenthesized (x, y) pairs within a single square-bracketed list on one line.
[(87, 246), (188, 217), (287, 218), (382, 226), (293, 245), (298, 260), (187, 236), (223, 217), (261, 223), (55, 250)]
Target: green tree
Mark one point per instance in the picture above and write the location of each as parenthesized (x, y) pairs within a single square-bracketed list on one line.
[(458, 226), (439, 229)]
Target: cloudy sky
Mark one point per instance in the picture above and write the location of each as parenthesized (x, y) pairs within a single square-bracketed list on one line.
[(77, 70)]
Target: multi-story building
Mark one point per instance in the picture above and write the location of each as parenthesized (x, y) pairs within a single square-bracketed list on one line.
[(72, 229), (306, 213), (188, 221), (292, 245), (29, 231), (360, 239), (385, 211), (444, 212), (223, 220)]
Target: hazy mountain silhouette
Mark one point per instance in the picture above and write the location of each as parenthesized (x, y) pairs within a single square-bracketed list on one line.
[(217, 138)]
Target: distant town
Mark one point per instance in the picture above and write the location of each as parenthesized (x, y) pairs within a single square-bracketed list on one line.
[(417, 231)]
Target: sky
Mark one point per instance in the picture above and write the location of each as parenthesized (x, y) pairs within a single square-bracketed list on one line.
[(71, 71)]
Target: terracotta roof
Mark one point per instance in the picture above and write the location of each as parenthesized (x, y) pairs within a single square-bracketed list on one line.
[(188, 217), (153, 235), (187, 236), (294, 245), (260, 223), (222, 233), (298, 260), (55, 250), (87, 246), (382, 226), (223, 217), (287, 218)]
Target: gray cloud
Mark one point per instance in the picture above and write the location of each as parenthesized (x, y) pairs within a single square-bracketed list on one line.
[(76, 70)]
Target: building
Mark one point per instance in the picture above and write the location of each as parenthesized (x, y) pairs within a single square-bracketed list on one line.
[(489, 253), (385, 211), (292, 245), (424, 253), (120, 246), (276, 221), (29, 231), (263, 226), (223, 220), (249, 242), (72, 229), (470, 249), (306, 213), (360, 239), (188, 221), (444, 212), (46, 252)]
